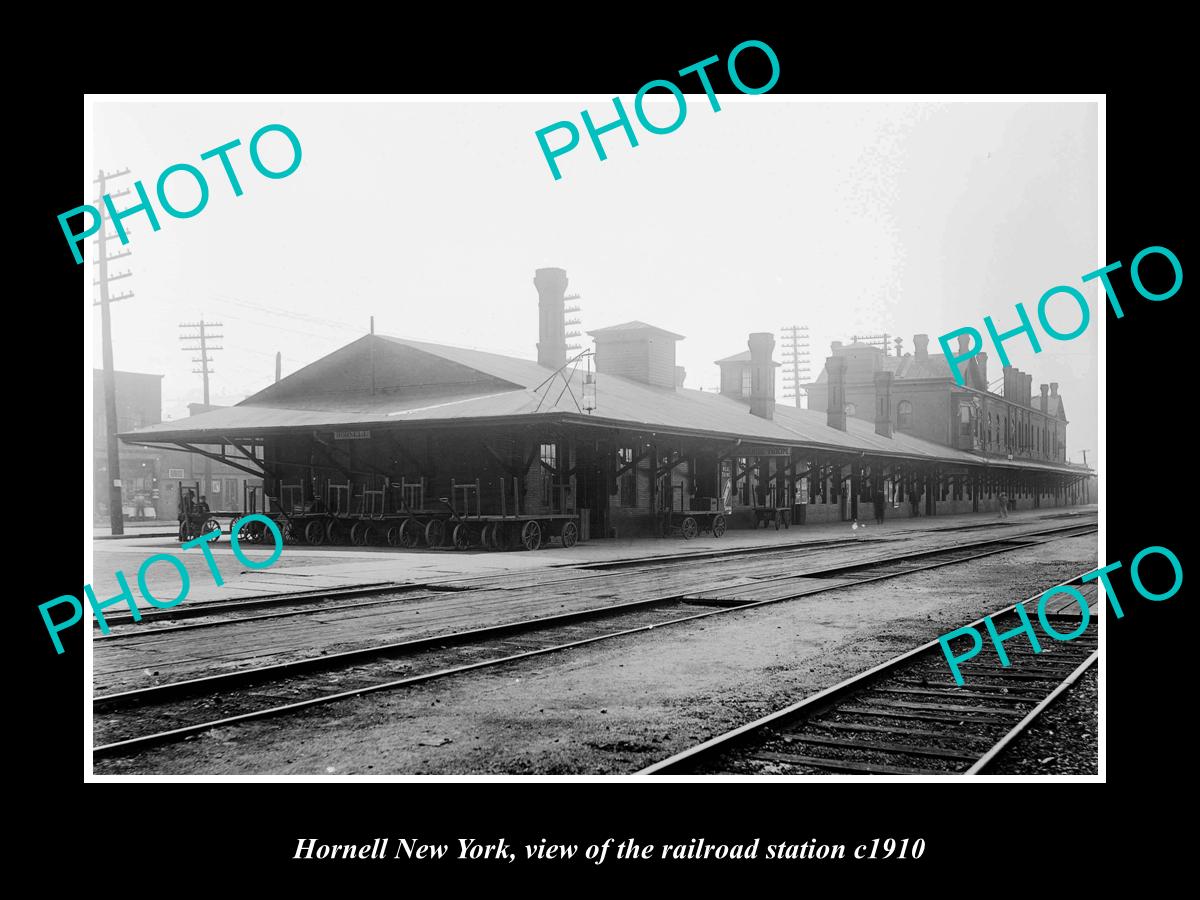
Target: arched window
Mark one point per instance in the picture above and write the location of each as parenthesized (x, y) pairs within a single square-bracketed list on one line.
[(904, 414)]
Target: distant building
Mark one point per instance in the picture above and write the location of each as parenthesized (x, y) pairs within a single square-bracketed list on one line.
[(926, 402), (150, 477)]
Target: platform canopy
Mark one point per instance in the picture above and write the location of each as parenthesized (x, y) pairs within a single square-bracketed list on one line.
[(380, 382)]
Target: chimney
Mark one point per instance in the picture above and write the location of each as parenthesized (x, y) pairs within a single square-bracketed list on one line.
[(981, 360), (1027, 395), (551, 286), (762, 374), (1054, 389), (920, 345), (278, 365), (883, 404), (1009, 391), (835, 346), (835, 410), (680, 375), (1044, 389)]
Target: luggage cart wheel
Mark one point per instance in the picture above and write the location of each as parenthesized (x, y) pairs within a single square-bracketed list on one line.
[(461, 537), (531, 535), (570, 534), (435, 532)]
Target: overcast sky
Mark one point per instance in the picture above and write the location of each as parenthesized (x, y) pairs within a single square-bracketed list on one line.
[(432, 217)]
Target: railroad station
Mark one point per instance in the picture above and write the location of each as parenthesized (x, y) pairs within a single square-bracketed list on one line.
[(390, 441), (715, 559)]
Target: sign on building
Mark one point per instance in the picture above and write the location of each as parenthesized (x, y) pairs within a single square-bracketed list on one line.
[(351, 435), (753, 450), (175, 473)]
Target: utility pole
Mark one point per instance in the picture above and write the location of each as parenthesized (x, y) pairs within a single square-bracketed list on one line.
[(795, 361), (116, 515), (571, 322), (204, 350)]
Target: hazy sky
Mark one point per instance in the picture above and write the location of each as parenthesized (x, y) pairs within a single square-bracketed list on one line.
[(433, 216)]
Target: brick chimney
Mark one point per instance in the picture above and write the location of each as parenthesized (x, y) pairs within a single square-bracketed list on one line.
[(1054, 389), (551, 286), (981, 360), (1044, 388), (883, 404), (835, 410), (920, 345), (762, 374)]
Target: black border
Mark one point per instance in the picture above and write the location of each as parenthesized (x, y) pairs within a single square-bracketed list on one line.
[(236, 827)]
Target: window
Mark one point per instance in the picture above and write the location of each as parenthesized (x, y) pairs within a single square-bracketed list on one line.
[(747, 382), (904, 414), (964, 419), (627, 480), (549, 457)]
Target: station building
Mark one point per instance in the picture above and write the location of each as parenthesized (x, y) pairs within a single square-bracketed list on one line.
[(150, 478), (384, 422)]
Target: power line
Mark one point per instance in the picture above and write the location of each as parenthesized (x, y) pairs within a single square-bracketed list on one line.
[(290, 314)]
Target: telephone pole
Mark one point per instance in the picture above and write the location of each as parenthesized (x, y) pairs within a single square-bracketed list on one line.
[(116, 514), (203, 336), (795, 361), (571, 321)]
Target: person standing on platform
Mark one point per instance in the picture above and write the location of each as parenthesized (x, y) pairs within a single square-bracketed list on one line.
[(1003, 505), (879, 504)]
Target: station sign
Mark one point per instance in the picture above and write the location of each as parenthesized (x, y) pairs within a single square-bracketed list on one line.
[(351, 435), (175, 473), (759, 450)]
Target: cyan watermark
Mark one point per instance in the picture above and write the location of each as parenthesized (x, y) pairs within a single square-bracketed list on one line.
[(622, 120), (186, 170), (1085, 316), (126, 594), (1026, 627)]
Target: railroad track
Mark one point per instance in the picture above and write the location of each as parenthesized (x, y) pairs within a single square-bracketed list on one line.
[(131, 721), (906, 716), (298, 602), (292, 603)]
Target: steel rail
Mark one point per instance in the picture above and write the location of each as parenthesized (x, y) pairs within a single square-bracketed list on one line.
[(830, 696), (266, 673), (989, 757), (438, 586)]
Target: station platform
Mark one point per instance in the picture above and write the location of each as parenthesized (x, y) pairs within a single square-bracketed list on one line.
[(303, 568)]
